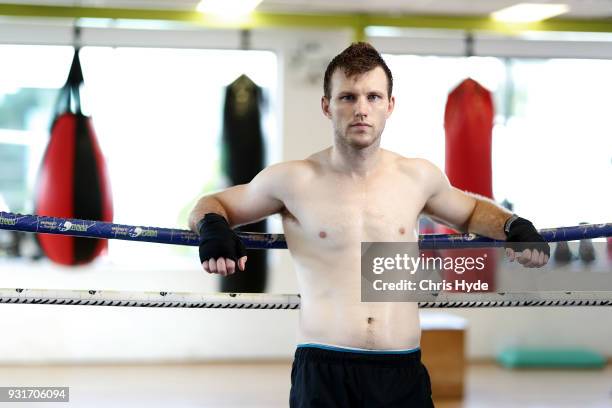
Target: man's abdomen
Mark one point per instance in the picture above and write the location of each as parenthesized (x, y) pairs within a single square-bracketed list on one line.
[(371, 326)]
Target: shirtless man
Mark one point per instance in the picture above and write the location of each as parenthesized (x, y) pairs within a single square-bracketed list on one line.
[(352, 353)]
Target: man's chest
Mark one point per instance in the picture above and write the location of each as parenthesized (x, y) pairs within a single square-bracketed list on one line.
[(336, 213)]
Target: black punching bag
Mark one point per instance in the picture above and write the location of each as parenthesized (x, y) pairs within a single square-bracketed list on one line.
[(243, 157), (73, 182)]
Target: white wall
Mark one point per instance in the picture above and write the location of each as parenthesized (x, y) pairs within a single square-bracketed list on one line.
[(33, 333)]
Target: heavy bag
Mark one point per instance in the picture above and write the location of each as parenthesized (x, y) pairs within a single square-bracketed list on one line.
[(73, 181), (243, 158), (468, 124)]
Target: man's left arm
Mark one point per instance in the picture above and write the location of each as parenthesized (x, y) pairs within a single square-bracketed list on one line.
[(472, 213)]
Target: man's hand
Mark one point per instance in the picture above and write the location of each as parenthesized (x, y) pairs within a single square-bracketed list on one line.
[(525, 244), (220, 247)]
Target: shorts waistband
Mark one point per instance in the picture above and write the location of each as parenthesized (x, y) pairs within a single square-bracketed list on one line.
[(352, 350), (322, 352)]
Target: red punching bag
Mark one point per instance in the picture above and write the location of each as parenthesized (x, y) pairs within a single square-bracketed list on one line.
[(73, 181), (468, 123)]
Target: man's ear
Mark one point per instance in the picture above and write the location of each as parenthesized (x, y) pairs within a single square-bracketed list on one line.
[(391, 106), (325, 106)]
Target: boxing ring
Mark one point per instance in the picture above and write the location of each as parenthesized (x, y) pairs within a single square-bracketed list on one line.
[(97, 229)]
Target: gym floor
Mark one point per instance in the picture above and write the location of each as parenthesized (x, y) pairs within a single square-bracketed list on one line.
[(266, 385)]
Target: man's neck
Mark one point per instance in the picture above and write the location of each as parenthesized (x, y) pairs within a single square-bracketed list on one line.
[(355, 162)]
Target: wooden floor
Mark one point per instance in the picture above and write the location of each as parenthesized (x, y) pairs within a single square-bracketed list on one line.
[(266, 385)]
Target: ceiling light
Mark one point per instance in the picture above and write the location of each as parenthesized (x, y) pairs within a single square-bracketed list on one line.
[(228, 8), (529, 12)]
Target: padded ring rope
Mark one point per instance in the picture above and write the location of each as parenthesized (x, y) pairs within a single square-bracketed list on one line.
[(98, 229)]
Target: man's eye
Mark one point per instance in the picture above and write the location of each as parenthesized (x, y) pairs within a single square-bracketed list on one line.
[(374, 97), (347, 97)]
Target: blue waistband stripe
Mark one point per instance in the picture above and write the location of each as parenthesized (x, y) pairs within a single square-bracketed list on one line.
[(350, 350)]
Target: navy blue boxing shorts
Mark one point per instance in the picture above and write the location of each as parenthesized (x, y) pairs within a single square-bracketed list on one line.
[(326, 376)]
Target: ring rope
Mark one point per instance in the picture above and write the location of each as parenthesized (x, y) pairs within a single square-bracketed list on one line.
[(99, 229), (278, 301)]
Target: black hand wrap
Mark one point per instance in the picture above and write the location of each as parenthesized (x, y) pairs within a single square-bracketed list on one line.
[(218, 240), (523, 235)]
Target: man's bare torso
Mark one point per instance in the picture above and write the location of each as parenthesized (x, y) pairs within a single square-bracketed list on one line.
[(326, 217)]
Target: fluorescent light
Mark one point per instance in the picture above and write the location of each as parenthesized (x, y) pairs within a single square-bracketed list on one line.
[(228, 8), (529, 12)]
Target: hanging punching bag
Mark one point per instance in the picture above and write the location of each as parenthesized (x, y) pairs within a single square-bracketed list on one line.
[(468, 124), (243, 157), (73, 182)]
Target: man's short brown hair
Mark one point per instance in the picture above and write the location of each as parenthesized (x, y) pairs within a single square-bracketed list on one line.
[(357, 59)]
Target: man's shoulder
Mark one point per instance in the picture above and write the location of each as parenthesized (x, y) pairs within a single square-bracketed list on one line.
[(423, 173), (415, 166), (292, 170)]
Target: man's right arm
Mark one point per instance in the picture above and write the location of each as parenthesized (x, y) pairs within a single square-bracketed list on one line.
[(242, 204)]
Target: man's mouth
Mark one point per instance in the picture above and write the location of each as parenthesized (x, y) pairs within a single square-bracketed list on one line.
[(360, 124)]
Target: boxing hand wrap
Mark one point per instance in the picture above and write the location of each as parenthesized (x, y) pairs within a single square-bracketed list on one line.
[(521, 235), (218, 240)]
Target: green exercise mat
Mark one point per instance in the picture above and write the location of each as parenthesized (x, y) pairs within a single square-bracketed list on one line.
[(518, 357)]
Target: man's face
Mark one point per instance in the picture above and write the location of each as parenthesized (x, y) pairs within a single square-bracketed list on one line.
[(358, 107)]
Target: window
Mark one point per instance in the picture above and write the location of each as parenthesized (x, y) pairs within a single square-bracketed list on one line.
[(552, 139), (27, 95), (157, 115)]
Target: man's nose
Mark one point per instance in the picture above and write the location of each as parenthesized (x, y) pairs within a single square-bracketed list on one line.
[(361, 107)]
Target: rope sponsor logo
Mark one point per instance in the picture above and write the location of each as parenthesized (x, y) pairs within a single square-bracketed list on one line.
[(69, 226), (140, 232), (133, 232), (7, 221), (48, 225), (120, 231)]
